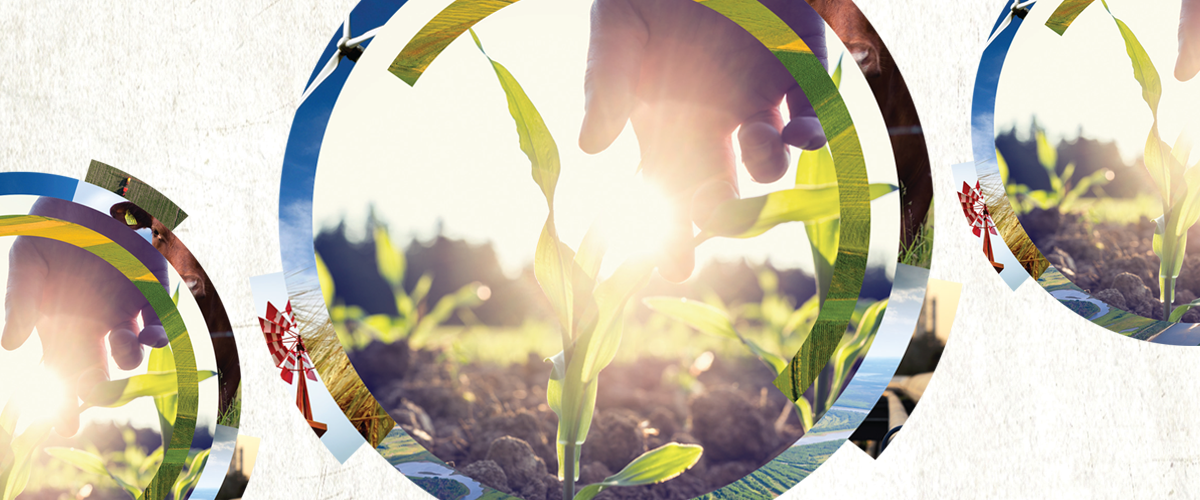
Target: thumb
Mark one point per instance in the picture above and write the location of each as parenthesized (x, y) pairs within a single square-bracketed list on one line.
[(26, 279), (618, 37), (1188, 63)]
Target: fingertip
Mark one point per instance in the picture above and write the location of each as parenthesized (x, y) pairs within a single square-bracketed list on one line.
[(17, 328), (763, 151), (595, 135), (804, 132), (125, 347), (154, 336), (1187, 65)]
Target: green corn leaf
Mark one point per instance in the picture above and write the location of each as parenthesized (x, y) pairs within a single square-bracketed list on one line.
[(175, 296), (1047, 155), (1182, 149), (421, 290), (325, 280), (536, 141), (837, 73), (152, 460), (466, 296), (188, 481), (749, 217), (437, 34), (14, 479), (553, 259), (1096, 179), (162, 360), (8, 419), (82, 460), (114, 393), (382, 325), (703, 317), (806, 414), (611, 295), (1065, 14), (775, 362), (1143, 67), (1179, 311), (1163, 169), (654, 466), (574, 403), (550, 270), (390, 261), (591, 252), (1002, 165), (816, 168), (806, 313)]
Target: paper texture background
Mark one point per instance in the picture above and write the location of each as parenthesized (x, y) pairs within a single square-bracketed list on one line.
[(196, 98)]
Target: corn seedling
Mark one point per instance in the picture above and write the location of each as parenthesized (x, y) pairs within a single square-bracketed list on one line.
[(132, 470), (1178, 187), (414, 323), (1061, 195), (717, 321), (590, 313)]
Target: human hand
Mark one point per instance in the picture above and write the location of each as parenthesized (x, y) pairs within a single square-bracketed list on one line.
[(686, 76), (1188, 63), (75, 298)]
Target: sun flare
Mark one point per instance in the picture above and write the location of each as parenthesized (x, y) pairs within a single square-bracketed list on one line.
[(635, 222), (40, 395)]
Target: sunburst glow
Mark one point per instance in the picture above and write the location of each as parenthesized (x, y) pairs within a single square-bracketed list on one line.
[(635, 221), (40, 395)]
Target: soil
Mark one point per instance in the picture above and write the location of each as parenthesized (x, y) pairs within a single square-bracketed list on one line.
[(1115, 263), (494, 425)]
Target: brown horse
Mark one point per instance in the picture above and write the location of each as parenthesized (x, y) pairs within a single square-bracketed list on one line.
[(197, 281), (895, 104)]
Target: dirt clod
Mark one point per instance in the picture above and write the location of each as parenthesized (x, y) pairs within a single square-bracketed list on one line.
[(488, 473), (1112, 297), (614, 440), (523, 469)]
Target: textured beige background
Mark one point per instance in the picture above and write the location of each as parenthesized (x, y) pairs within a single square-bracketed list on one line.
[(197, 97)]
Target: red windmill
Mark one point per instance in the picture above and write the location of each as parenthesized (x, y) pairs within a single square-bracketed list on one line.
[(979, 218), (287, 349)]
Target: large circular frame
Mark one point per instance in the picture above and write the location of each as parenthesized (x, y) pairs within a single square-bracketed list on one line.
[(312, 118), (983, 106)]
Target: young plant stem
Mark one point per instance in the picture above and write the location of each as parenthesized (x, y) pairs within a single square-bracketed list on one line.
[(569, 473), (1168, 293)]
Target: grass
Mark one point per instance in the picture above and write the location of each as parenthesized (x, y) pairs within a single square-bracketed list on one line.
[(1121, 211), (1009, 227)]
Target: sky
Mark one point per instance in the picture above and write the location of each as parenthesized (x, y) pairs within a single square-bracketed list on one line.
[(140, 412), (1084, 79), (447, 149)]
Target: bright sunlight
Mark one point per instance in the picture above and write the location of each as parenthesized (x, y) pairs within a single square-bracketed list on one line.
[(40, 395), (635, 222)]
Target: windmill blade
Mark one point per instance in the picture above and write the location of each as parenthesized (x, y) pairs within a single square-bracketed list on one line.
[(1017, 6), (325, 72), (363, 37), (346, 28), (1000, 29)]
